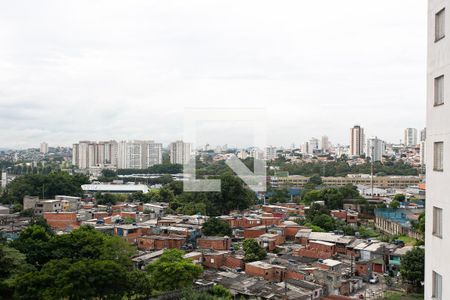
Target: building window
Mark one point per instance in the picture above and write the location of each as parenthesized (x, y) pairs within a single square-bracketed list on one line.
[(439, 25), (439, 90), (438, 159), (437, 222), (437, 286)]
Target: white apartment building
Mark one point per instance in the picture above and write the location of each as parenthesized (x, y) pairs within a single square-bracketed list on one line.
[(313, 145), (180, 152), (376, 148), (356, 141), (138, 154), (154, 154), (437, 233), (422, 144), (325, 144), (44, 148), (123, 155), (410, 139), (271, 153)]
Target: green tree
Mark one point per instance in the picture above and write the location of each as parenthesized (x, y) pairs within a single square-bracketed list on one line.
[(34, 242), (394, 204), (105, 199), (172, 272), (324, 221), (420, 227), (221, 292), (279, 196), (84, 279), (315, 179), (399, 198), (312, 196), (253, 251), (12, 264), (216, 227), (412, 266)]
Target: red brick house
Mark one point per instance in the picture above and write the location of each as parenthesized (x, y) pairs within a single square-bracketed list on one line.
[(214, 242), (254, 232), (267, 271), (61, 220), (158, 242)]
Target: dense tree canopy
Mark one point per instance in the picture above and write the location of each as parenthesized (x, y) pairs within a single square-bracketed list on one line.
[(233, 195), (333, 197), (50, 185), (342, 168), (253, 251), (412, 266), (216, 227), (83, 264), (172, 272)]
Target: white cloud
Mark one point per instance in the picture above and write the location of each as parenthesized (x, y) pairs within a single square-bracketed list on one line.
[(113, 69)]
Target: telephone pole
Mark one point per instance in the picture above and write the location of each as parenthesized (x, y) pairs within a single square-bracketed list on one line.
[(371, 171)]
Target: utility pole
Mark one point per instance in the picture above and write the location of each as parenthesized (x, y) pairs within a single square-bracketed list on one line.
[(371, 171)]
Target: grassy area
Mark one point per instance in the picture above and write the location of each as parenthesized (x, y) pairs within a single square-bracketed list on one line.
[(409, 241), (390, 295)]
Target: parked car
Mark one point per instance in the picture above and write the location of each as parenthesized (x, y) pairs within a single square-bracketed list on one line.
[(374, 280)]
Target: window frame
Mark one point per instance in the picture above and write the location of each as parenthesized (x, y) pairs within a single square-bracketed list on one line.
[(437, 229), (440, 13), (439, 80), (436, 288), (435, 153)]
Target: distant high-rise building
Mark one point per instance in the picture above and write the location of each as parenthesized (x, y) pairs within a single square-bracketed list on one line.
[(75, 154), (423, 135), (138, 154), (422, 144), (313, 145), (325, 144), (356, 141), (271, 153), (154, 154), (410, 139), (44, 148), (305, 148), (376, 148), (82, 160), (123, 155), (179, 152)]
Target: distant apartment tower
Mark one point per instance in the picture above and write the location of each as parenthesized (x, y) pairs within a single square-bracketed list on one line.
[(423, 137), (138, 154), (376, 148), (437, 229), (356, 141), (410, 139), (325, 144), (44, 148), (154, 154), (82, 155), (313, 145), (180, 152), (123, 155), (271, 153)]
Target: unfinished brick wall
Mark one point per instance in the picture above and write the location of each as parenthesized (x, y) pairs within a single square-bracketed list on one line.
[(61, 220)]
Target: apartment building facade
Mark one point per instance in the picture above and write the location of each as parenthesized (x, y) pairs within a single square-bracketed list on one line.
[(437, 270), (134, 154), (180, 152), (298, 181), (356, 141)]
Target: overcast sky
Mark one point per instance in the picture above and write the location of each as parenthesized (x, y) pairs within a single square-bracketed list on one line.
[(94, 70)]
